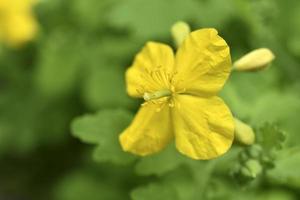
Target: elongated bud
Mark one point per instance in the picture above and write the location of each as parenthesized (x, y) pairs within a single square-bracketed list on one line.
[(179, 32), (243, 133), (255, 60)]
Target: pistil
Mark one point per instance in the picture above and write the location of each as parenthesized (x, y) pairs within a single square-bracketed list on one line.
[(157, 95)]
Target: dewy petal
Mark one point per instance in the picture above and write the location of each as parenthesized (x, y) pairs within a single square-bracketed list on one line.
[(204, 128), (149, 132), (148, 72), (203, 63)]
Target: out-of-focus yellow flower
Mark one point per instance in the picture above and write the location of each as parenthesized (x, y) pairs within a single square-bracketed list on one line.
[(17, 23), (180, 98), (255, 60)]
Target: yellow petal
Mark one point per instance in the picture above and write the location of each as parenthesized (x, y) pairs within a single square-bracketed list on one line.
[(204, 128), (203, 63), (149, 70), (149, 132)]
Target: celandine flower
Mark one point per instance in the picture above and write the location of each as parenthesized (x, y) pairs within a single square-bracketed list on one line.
[(180, 98), (17, 23)]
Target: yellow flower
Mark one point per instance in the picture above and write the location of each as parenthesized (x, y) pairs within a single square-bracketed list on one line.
[(180, 98), (17, 23)]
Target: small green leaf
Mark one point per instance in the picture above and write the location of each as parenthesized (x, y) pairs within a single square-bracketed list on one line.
[(270, 138), (103, 129)]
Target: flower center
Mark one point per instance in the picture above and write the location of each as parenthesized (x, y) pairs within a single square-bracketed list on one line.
[(157, 94)]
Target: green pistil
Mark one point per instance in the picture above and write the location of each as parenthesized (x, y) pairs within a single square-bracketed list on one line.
[(156, 95)]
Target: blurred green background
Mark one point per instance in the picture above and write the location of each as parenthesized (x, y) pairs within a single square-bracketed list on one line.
[(72, 75)]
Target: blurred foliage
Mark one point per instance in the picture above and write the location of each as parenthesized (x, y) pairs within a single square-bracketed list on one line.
[(76, 66)]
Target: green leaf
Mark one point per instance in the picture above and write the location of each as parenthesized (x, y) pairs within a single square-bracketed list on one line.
[(103, 130), (160, 163), (270, 138), (286, 171)]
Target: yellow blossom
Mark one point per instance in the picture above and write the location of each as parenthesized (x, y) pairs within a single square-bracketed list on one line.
[(181, 102), (17, 23)]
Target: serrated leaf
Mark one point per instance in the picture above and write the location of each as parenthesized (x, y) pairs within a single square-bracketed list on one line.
[(103, 130), (286, 171), (270, 138)]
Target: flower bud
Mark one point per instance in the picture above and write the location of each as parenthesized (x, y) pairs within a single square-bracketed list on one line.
[(255, 60), (255, 151), (243, 133), (252, 168), (179, 32)]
